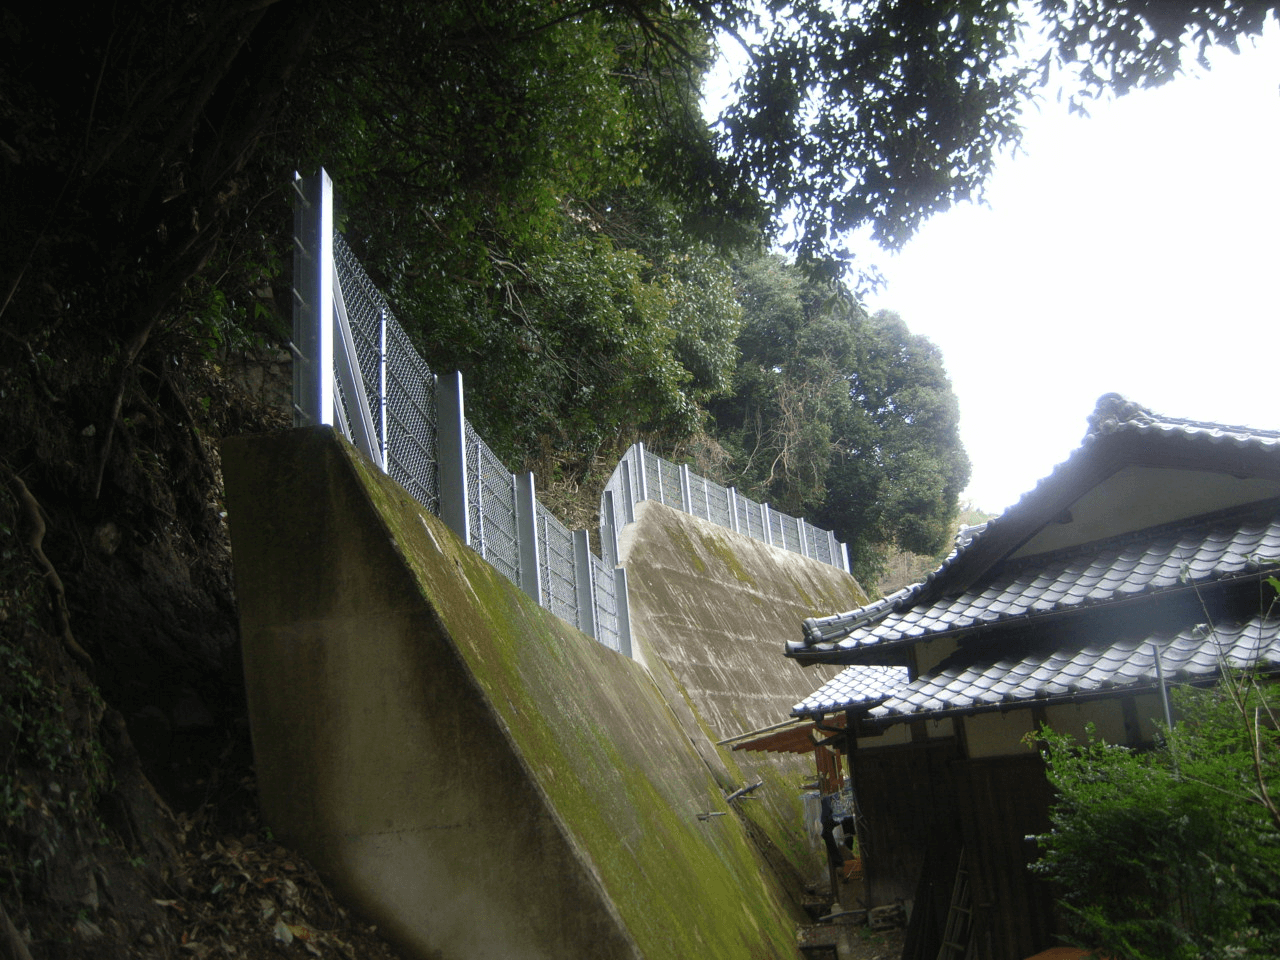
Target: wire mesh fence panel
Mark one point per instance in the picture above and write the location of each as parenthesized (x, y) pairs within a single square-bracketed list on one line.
[(606, 600), (653, 477), (816, 544), (558, 567), (399, 384), (777, 530), (343, 406), (822, 542), (471, 444), (493, 508), (670, 479), (698, 497), (366, 308), (718, 504), (749, 518), (411, 419), (792, 527), (614, 486)]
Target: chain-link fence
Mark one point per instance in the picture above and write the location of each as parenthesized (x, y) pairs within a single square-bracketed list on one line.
[(386, 399), (641, 475)]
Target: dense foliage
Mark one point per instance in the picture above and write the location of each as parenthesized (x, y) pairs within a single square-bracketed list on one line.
[(846, 418), (1174, 852)]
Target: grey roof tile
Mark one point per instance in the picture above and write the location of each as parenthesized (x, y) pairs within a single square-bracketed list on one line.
[(1112, 571), (853, 687), (969, 680), (1133, 566)]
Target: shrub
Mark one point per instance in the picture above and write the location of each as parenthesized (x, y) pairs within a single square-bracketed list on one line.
[(1172, 852)]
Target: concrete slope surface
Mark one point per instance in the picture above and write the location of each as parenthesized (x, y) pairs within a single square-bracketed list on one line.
[(481, 779), (716, 607), (710, 612)]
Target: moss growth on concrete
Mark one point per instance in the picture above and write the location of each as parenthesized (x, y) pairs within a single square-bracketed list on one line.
[(719, 638), (721, 549), (603, 748), (685, 546)]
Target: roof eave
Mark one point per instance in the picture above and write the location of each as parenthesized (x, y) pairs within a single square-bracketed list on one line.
[(1146, 686)]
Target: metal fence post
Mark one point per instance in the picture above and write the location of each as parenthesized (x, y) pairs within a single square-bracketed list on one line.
[(844, 557), (733, 510), (832, 552), (451, 453), (686, 491), (624, 610), (644, 472), (609, 531), (312, 344), (804, 537), (382, 388), (527, 537), (628, 493), (764, 519), (584, 581)]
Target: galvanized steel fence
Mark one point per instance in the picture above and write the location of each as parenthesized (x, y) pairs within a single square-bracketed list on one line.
[(641, 475), (355, 369)]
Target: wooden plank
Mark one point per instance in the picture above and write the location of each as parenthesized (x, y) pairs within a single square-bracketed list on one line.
[(1002, 801)]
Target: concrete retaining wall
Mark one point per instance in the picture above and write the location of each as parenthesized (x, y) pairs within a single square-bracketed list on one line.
[(710, 611), (480, 779)]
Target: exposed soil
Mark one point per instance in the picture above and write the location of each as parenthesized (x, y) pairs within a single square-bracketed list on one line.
[(128, 814), (878, 946)]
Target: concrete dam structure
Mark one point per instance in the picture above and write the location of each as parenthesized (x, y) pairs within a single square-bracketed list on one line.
[(479, 778)]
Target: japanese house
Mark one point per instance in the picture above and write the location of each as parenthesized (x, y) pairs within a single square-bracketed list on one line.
[(1145, 554)]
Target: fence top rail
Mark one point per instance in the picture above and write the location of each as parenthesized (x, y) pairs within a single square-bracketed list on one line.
[(642, 475)]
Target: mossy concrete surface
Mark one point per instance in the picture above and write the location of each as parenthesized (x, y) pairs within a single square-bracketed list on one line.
[(716, 607), (482, 780), (710, 612)]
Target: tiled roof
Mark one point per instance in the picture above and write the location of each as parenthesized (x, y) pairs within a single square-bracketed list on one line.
[(984, 586), (1115, 414), (964, 683), (892, 618), (1145, 562), (854, 686)]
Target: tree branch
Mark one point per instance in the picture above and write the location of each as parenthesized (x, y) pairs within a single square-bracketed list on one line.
[(58, 593)]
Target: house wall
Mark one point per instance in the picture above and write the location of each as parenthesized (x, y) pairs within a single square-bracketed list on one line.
[(1000, 803), (903, 733), (1137, 497), (929, 653), (921, 805), (1106, 716), (998, 734), (1130, 721), (1000, 796), (907, 822)]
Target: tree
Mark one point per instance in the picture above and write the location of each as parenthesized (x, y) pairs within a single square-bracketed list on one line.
[(880, 114), (846, 418), (901, 466), (1112, 48)]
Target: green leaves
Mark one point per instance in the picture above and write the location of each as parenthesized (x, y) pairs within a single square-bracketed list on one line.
[(1168, 853), (845, 418), (880, 114)]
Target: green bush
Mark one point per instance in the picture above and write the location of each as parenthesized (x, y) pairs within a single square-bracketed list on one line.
[(1173, 852)]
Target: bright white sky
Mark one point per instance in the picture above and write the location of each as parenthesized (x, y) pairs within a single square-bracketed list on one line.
[(1135, 251)]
